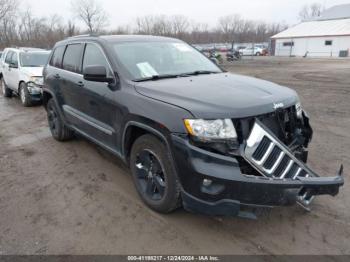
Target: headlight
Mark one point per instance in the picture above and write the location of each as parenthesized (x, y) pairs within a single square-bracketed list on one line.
[(299, 110), (37, 80), (211, 129)]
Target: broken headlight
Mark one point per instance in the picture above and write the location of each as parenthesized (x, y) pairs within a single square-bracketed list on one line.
[(299, 110), (37, 80)]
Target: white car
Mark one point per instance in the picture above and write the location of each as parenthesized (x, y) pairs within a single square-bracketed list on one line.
[(22, 73), (256, 51)]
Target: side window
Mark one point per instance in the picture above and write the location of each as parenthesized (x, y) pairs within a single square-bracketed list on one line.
[(72, 58), (94, 56), (14, 59), (56, 59), (8, 58)]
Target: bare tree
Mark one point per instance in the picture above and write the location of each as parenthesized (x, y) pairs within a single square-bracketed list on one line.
[(230, 26), (180, 25), (309, 12), (91, 13), (6, 6), (71, 28)]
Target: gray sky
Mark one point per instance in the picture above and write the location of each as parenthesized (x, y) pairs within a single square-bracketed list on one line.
[(123, 12)]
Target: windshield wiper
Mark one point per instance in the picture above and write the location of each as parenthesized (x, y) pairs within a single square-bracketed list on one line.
[(200, 72), (155, 77)]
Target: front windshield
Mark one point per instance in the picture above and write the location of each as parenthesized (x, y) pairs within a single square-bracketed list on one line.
[(34, 59), (149, 59)]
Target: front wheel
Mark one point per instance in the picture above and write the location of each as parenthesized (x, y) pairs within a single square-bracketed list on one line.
[(25, 95), (154, 175)]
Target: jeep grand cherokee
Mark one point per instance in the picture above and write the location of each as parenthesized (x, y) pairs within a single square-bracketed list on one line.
[(192, 134)]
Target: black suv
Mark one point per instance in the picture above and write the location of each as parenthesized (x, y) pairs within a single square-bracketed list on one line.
[(192, 134)]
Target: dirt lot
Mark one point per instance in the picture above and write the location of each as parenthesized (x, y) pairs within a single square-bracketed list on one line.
[(75, 198)]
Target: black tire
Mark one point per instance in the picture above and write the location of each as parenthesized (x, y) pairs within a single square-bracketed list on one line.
[(5, 90), (168, 198), (58, 129), (25, 95), (258, 54)]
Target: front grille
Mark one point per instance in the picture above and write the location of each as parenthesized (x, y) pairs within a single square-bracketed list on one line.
[(259, 152), (268, 155), (281, 123), (272, 158)]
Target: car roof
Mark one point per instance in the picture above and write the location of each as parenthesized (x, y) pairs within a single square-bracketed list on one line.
[(118, 38), (25, 49)]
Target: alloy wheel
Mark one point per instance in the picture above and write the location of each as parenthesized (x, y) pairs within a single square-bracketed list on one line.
[(23, 95), (150, 175)]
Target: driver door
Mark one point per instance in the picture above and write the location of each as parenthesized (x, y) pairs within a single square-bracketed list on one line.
[(99, 99)]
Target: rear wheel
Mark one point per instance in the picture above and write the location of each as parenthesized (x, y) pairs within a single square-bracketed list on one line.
[(154, 175), (25, 95), (5, 90), (258, 54), (58, 129)]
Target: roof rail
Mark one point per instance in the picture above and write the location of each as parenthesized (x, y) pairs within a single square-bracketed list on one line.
[(84, 35)]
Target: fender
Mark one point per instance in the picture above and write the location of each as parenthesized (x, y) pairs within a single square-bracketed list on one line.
[(158, 134), (53, 96), (145, 127)]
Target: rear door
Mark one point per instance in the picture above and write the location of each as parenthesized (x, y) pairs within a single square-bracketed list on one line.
[(8, 71), (14, 72), (5, 66), (52, 73), (71, 82)]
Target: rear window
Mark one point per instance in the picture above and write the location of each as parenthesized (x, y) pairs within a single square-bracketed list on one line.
[(56, 59), (72, 58)]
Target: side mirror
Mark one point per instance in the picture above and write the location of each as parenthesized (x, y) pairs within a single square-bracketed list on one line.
[(97, 74), (13, 65), (214, 60)]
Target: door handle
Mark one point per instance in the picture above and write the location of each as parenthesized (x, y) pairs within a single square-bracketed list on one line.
[(57, 76), (80, 83)]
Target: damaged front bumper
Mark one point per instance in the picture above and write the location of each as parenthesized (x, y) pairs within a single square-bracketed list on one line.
[(271, 158), (35, 91), (214, 184)]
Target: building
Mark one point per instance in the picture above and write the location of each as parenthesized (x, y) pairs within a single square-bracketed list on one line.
[(326, 36)]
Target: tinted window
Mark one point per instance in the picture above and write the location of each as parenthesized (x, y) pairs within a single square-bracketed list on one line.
[(94, 56), (56, 59), (288, 43), (328, 42), (71, 59), (0, 54), (8, 57)]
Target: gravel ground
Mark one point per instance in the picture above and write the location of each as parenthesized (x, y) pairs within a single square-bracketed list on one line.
[(75, 198)]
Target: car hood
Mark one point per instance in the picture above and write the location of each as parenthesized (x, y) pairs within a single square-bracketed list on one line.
[(33, 71), (223, 95)]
